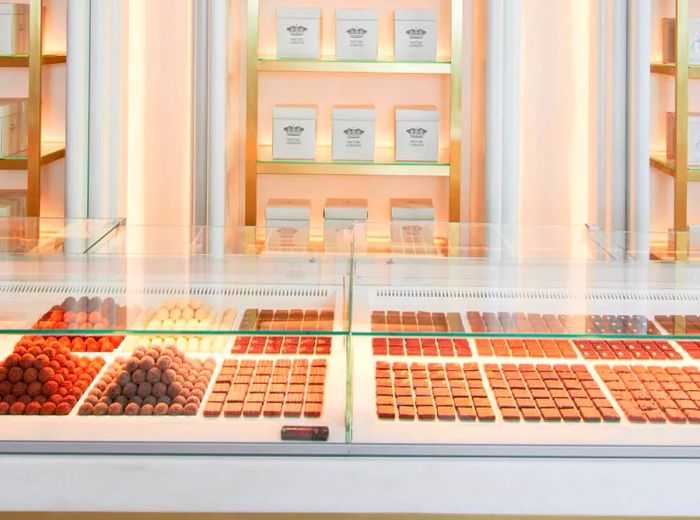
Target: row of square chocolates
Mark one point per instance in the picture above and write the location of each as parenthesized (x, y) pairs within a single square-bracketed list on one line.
[(294, 133), (356, 34)]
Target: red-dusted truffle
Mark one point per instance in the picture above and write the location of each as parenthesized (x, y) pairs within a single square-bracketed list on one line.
[(4, 408), (17, 408)]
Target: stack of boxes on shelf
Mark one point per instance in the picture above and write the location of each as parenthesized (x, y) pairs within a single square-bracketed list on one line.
[(13, 126), (298, 37), (14, 28)]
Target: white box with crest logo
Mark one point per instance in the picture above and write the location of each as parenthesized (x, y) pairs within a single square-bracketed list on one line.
[(356, 34), (417, 131), (294, 132), (415, 35), (287, 223), (298, 32), (412, 225), (353, 133)]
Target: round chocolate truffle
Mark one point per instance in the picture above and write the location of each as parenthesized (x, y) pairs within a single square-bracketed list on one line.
[(91, 399), (63, 408), (124, 378), (115, 409), (175, 409), (180, 399), (165, 399), (174, 389), (113, 390), (138, 376), (86, 409), (153, 375), (168, 377), (147, 409), (147, 363), (48, 408), (123, 401), (101, 409), (132, 409), (130, 390), (150, 400), (15, 375), (190, 409), (131, 365), (161, 409), (145, 389), (4, 408), (136, 400)]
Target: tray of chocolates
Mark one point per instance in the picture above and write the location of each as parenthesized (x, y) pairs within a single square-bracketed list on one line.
[(414, 322), (154, 381), (545, 392), (526, 348), (533, 323), (428, 347), (43, 377), (654, 394), (680, 324), (86, 313), (692, 348), (431, 391), (269, 388), (627, 349)]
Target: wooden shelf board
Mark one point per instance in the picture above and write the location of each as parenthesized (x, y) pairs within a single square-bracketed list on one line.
[(661, 162), (50, 152), (22, 60), (669, 69), (385, 66)]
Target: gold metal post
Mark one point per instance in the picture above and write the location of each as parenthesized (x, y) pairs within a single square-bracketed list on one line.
[(680, 212), (251, 181), (455, 198), (36, 37)]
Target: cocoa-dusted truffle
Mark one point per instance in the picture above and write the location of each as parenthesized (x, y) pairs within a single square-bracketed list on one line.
[(164, 363), (4, 408), (174, 389), (153, 375), (147, 409), (132, 409), (115, 409), (147, 363), (86, 409), (144, 390), (129, 390), (160, 409), (138, 376), (190, 409), (168, 377), (101, 409), (175, 409)]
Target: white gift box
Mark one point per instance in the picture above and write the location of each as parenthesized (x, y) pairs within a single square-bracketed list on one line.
[(353, 133), (298, 32), (417, 130), (14, 28), (356, 34), (287, 223), (13, 126), (412, 225), (340, 217), (294, 132), (669, 41), (415, 35), (693, 137)]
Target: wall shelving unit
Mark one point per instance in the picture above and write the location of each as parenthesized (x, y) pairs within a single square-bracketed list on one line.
[(39, 153), (259, 158)]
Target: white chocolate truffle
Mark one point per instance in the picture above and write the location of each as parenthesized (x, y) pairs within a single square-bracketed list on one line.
[(175, 314), (187, 314), (162, 314), (180, 325), (195, 304), (170, 304), (167, 325), (193, 345), (201, 314), (183, 304), (181, 343), (154, 325)]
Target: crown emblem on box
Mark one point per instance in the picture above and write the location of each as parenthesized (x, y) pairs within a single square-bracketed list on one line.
[(416, 132), (294, 130), (416, 33), (287, 232), (356, 32), (412, 231), (354, 132), (296, 30)]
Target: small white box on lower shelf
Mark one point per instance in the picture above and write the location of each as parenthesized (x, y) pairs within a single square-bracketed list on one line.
[(415, 35), (14, 24), (353, 133), (294, 132), (13, 126), (340, 218), (356, 34), (287, 223), (298, 32), (417, 129)]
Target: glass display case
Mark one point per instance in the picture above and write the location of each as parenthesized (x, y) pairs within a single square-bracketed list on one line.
[(450, 340)]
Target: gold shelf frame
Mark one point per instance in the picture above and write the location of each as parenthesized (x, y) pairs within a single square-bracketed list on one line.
[(682, 72), (257, 64)]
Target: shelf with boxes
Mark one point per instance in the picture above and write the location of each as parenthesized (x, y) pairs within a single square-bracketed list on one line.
[(23, 144), (294, 147)]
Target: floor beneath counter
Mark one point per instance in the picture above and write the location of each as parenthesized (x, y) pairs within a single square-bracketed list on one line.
[(354, 485)]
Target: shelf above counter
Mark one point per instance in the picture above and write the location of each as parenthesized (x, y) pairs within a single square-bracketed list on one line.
[(50, 152), (329, 64), (22, 60), (385, 164), (668, 166)]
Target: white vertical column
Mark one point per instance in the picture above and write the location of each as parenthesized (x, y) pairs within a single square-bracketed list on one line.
[(201, 113), (617, 169), (503, 119), (106, 119), (639, 125), (77, 108), (218, 18)]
